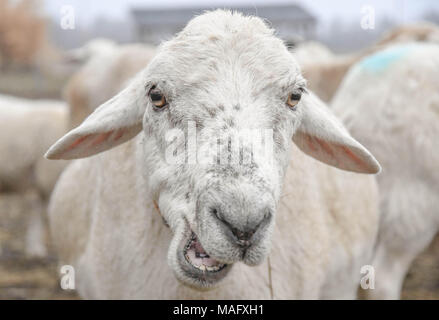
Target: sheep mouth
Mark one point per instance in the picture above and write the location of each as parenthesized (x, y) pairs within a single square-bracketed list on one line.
[(199, 269), (197, 257)]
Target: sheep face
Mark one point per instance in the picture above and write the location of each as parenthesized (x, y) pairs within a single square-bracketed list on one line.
[(221, 111), (219, 106)]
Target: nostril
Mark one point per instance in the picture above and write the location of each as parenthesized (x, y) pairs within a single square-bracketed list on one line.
[(215, 212), (243, 239), (241, 235), (267, 214)]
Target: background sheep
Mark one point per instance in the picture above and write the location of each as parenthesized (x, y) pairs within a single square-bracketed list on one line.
[(325, 72), (310, 52), (323, 69), (106, 72), (27, 129), (91, 49), (41, 122), (108, 199), (23, 167), (34, 125), (398, 117), (421, 32)]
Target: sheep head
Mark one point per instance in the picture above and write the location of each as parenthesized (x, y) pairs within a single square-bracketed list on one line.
[(221, 82)]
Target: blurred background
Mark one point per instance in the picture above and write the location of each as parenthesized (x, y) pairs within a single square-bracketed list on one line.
[(60, 59)]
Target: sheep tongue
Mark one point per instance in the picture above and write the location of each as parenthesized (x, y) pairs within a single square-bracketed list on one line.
[(199, 251), (201, 257)]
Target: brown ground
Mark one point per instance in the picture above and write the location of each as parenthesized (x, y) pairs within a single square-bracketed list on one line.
[(22, 277), (422, 281), (38, 278)]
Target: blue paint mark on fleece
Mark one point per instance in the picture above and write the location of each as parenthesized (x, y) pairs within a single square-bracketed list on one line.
[(384, 59)]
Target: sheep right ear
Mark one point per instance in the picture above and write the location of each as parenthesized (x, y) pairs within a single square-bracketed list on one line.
[(114, 122), (322, 136)]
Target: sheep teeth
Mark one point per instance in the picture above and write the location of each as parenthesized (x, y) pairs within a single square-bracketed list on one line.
[(206, 268), (213, 268), (201, 267)]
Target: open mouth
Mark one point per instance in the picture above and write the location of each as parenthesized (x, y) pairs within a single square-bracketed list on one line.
[(199, 269), (199, 259)]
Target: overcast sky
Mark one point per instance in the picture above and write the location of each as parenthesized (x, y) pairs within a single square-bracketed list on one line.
[(345, 10)]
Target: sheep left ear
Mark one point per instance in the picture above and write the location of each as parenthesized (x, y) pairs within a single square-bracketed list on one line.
[(322, 136), (114, 122)]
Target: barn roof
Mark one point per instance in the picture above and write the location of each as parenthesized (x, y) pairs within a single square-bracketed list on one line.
[(183, 15)]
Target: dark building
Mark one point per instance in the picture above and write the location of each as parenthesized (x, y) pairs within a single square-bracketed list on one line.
[(292, 22)]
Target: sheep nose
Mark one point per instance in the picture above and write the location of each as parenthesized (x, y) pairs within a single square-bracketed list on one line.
[(242, 235), (243, 238)]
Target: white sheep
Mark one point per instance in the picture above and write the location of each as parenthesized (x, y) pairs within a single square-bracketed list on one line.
[(325, 72), (324, 77), (109, 68), (223, 73), (105, 73), (27, 129), (310, 52), (420, 32), (93, 48), (390, 101)]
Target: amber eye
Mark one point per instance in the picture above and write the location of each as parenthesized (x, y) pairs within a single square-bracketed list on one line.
[(293, 99), (157, 97)]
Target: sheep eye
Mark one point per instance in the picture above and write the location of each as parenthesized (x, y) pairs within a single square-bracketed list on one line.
[(157, 97), (293, 99)]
